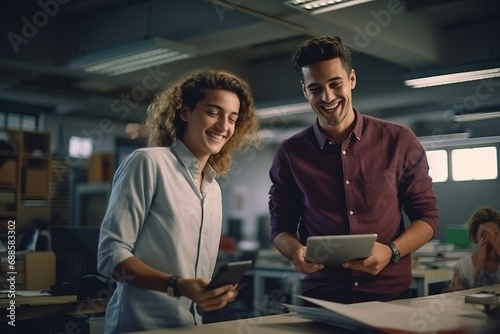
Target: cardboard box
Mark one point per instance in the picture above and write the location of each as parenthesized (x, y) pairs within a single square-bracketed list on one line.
[(40, 270), (8, 173), (8, 200), (36, 181), (101, 168), (34, 270)]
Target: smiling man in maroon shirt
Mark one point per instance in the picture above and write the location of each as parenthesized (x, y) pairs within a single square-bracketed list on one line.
[(349, 173)]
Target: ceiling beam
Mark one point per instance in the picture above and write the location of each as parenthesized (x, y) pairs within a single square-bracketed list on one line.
[(381, 29)]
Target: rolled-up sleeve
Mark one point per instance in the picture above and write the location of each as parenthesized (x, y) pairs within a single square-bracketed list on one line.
[(418, 197), (131, 196), (283, 198)]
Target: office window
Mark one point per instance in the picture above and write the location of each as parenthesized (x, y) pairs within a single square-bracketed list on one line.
[(17, 121), (13, 121), (438, 165), (28, 122), (474, 164), (80, 147)]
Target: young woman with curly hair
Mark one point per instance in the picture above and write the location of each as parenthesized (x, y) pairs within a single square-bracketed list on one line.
[(161, 232)]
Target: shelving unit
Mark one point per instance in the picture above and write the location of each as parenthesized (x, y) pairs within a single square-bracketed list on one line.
[(25, 173)]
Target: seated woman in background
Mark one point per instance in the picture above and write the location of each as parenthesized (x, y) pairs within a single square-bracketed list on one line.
[(482, 267)]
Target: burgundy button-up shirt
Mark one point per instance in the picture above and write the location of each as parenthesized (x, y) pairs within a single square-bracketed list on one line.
[(360, 186)]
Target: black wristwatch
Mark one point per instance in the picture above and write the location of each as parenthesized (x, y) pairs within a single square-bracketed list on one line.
[(396, 255), (172, 289)]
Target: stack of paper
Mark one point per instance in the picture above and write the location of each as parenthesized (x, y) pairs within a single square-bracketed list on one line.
[(382, 317)]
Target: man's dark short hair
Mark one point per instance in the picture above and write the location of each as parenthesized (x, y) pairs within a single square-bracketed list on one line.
[(319, 49)]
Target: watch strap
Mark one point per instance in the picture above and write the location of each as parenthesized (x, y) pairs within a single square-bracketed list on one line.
[(172, 288), (395, 252)]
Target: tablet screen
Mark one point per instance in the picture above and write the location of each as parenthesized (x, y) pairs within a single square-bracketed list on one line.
[(336, 249)]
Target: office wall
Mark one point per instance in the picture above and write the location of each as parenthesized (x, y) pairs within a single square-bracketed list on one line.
[(456, 200), (245, 190), (102, 131)]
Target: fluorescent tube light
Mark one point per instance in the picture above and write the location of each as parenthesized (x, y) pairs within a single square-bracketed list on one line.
[(315, 7), (451, 75), (437, 139), (457, 142), (133, 56), (283, 111), (476, 116)]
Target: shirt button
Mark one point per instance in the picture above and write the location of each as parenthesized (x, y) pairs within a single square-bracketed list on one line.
[(351, 212), (330, 143), (196, 165), (344, 152), (347, 182), (356, 283)]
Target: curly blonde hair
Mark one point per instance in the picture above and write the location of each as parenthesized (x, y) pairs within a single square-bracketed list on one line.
[(483, 214), (166, 126)]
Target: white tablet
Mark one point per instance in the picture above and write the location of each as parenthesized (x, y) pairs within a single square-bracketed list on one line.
[(336, 249)]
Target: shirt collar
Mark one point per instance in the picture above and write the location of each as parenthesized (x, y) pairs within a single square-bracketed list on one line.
[(187, 158), (356, 131), (358, 127)]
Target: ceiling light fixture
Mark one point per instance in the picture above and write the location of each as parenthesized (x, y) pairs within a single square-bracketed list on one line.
[(133, 56), (283, 111), (438, 139), (315, 7), (456, 74), (457, 141), (476, 116)]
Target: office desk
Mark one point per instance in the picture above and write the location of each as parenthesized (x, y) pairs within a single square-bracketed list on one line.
[(287, 276), (473, 319), (422, 278), (44, 306), (272, 324)]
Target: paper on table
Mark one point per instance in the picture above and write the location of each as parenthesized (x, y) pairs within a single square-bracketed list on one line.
[(27, 293), (331, 318), (384, 317), (32, 293)]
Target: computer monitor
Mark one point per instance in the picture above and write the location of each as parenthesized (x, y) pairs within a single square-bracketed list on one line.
[(75, 248), (457, 235), (91, 203)]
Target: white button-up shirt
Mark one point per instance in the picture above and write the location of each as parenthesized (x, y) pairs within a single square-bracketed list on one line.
[(158, 214)]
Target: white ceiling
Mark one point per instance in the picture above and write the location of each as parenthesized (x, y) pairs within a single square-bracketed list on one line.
[(388, 38)]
